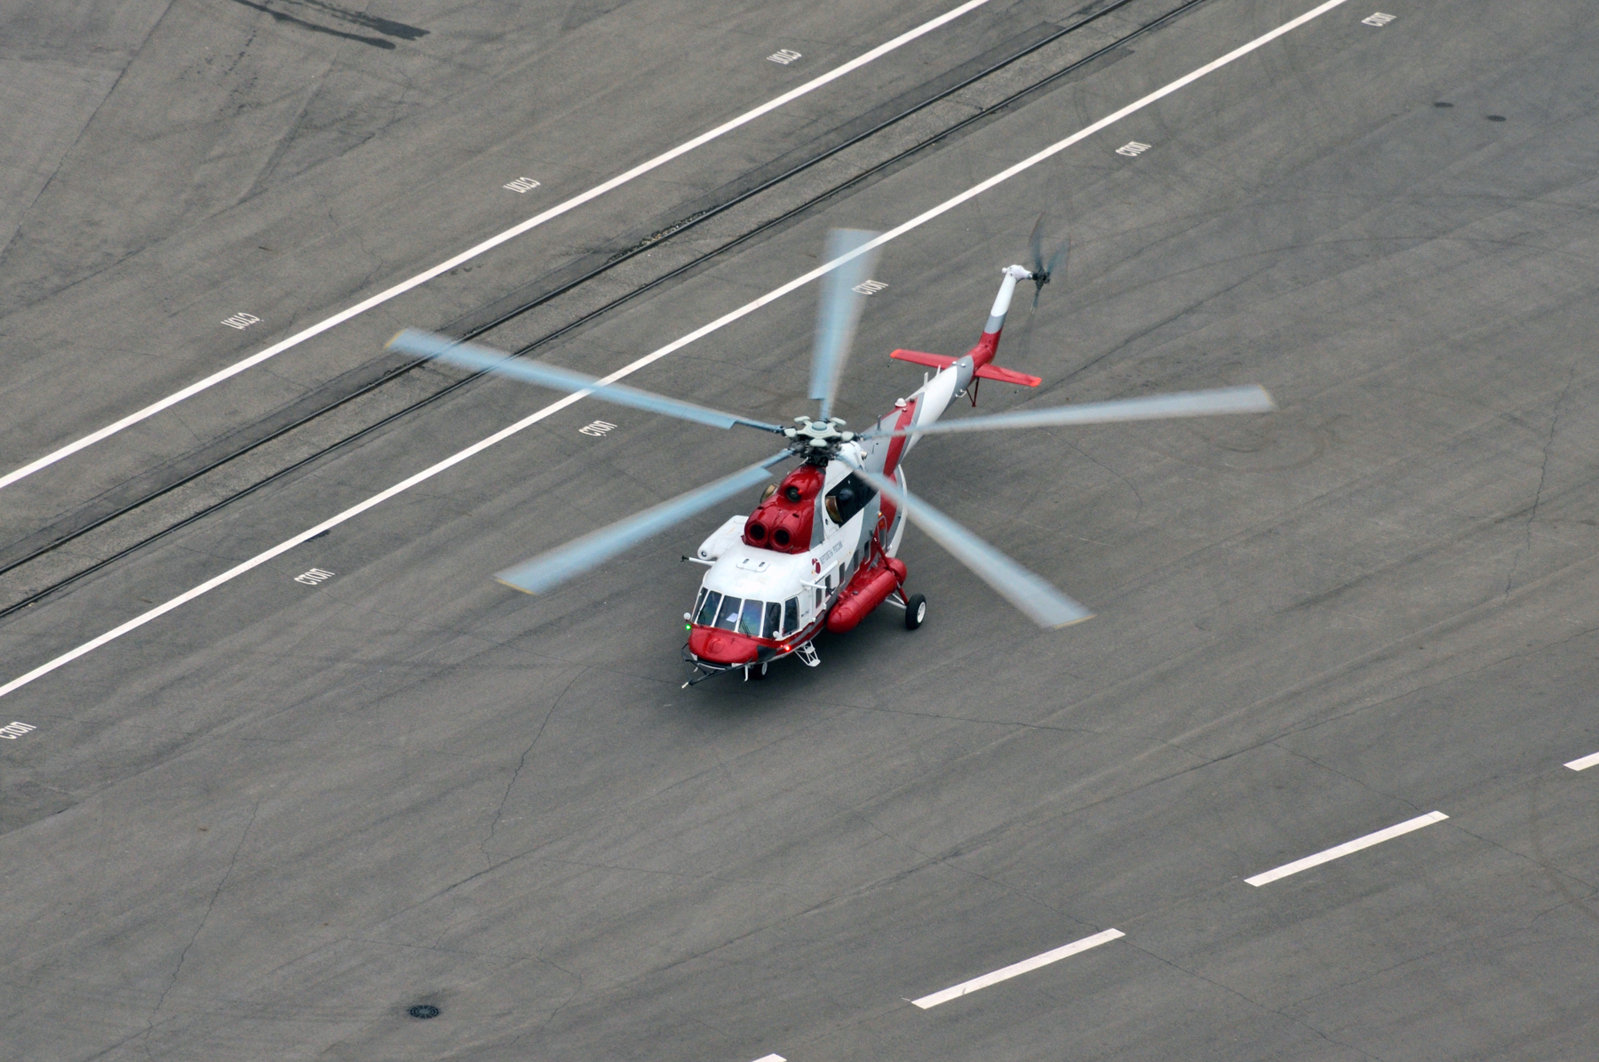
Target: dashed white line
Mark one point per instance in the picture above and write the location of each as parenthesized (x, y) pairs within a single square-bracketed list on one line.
[(1016, 969), (1584, 763), (487, 245), (656, 355), (1337, 851)]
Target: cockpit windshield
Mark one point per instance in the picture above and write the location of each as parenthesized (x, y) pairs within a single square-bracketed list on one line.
[(758, 619)]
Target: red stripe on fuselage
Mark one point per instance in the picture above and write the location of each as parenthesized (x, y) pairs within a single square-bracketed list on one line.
[(896, 444)]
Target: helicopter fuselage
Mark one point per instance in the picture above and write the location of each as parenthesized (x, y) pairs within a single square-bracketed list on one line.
[(819, 551)]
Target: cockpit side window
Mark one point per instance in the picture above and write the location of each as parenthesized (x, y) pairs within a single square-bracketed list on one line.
[(705, 614), (791, 615), (772, 627), (848, 498)]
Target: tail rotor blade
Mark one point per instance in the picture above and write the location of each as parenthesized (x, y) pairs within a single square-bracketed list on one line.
[(1042, 270), (839, 310), (472, 356), (1252, 399), (1035, 243), (556, 566), (1041, 602)]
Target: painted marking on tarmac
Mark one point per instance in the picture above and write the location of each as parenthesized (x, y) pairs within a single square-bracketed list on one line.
[(487, 245), (13, 730), (1338, 851), (771, 1058), (966, 988), (649, 359), (1585, 762)]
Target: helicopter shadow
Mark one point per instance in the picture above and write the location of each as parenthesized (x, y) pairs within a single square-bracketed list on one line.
[(388, 27)]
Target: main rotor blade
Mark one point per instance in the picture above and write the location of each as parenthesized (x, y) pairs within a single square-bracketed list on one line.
[(1040, 601), (555, 566), (838, 311), (1251, 399), (473, 356)]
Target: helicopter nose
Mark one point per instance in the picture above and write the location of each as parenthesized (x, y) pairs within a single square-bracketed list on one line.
[(717, 646)]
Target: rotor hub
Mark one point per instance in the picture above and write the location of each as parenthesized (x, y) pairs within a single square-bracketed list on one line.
[(817, 441)]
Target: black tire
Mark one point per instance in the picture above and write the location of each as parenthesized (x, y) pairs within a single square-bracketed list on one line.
[(758, 671), (915, 611)]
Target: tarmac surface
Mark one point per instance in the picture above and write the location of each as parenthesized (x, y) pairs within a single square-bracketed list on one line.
[(358, 801)]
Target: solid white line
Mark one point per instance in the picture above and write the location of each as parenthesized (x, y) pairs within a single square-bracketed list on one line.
[(1584, 763), (648, 359), (487, 245), (966, 988), (1347, 847)]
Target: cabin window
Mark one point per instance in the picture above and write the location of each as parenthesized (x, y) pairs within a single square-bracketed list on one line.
[(705, 612), (773, 626)]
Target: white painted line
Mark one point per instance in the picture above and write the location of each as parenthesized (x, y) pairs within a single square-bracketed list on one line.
[(1584, 763), (966, 988), (487, 245), (648, 359), (771, 1058), (1397, 830)]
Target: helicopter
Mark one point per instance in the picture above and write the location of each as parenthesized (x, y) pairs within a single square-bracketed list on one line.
[(818, 552)]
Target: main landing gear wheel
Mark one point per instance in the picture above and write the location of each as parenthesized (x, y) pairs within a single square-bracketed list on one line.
[(756, 671), (915, 611)]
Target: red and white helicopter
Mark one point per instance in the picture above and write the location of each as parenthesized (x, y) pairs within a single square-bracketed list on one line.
[(818, 551)]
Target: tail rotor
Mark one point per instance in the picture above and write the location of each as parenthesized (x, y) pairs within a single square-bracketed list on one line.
[(1043, 270)]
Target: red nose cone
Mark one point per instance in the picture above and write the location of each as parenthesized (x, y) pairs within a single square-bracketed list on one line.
[(722, 647)]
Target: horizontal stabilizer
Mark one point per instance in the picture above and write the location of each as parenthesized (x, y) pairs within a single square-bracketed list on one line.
[(921, 357), (984, 372), (1011, 376)]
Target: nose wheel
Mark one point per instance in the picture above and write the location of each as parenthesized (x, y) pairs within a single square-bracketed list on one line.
[(915, 611)]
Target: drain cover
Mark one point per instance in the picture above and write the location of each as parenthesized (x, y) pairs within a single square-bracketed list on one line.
[(423, 1011)]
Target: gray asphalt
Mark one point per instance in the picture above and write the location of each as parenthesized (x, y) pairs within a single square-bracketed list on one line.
[(268, 822)]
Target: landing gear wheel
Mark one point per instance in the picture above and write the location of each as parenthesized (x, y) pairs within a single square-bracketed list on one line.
[(915, 611), (758, 671)]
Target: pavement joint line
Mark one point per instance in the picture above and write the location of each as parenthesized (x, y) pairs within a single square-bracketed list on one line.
[(1585, 762), (656, 355), (1338, 851), (487, 245), (1016, 969)]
